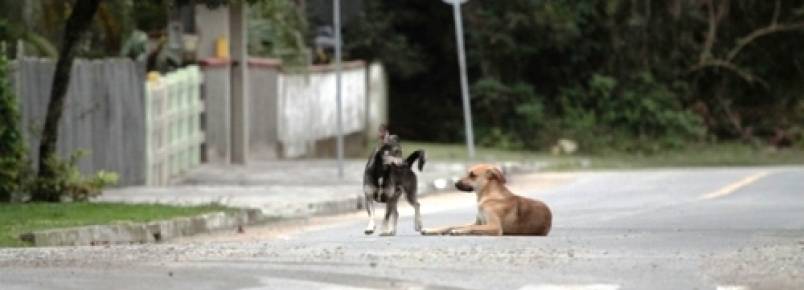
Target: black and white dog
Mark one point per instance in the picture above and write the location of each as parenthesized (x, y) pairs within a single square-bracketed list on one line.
[(387, 177)]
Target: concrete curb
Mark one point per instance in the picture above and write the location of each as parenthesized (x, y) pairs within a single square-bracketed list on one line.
[(138, 233)]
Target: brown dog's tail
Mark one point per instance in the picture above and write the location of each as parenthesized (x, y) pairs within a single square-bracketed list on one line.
[(413, 157)]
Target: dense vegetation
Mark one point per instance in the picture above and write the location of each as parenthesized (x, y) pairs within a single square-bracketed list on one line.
[(13, 162), (629, 75), (632, 75)]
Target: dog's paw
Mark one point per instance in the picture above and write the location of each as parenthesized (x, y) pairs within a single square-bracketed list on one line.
[(457, 232), (418, 227), (431, 232)]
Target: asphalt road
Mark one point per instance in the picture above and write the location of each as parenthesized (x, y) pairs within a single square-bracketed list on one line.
[(724, 228)]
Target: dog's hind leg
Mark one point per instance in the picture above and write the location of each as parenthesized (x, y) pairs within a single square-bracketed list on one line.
[(369, 194), (410, 195), (391, 216)]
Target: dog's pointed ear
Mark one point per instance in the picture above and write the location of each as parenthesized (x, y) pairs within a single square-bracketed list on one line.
[(383, 132), (496, 173)]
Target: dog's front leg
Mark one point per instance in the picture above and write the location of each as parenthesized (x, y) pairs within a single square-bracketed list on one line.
[(436, 231), (479, 230), (442, 231), (488, 225), (369, 194)]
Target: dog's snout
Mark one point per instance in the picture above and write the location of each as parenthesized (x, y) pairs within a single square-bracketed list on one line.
[(460, 185)]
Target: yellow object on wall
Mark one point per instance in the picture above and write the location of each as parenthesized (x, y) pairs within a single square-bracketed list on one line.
[(222, 47), (154, 76)]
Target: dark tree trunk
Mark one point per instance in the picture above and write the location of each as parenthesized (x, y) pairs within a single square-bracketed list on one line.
[(77, 24)]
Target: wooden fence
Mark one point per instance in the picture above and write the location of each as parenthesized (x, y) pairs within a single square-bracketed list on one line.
[(105, 114)]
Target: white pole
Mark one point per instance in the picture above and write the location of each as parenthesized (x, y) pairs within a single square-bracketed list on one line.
[(337, 19), (467, 110)]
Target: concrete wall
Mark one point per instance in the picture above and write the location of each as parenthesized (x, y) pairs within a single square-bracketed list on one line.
[(376, 100), (215, 93), (211, 24), (307, 106), (263, 110), (292, 114)]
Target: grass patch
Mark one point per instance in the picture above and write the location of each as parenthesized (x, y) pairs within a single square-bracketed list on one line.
[(725, 154), (19, 218)]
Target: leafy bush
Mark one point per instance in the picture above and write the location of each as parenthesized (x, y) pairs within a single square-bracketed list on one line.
[(508, 116), (67, 183), (13, 164), (498, 138), (633, 114), (278, 29), (798, 130), (638, 114)]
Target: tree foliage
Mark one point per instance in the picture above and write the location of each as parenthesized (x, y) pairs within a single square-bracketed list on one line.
[(641, 75), (278, 29), (13, 162)]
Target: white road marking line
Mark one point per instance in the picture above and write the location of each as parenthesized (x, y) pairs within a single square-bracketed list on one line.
[(731, 287), (571, 287), (731, 188), (269, 283), (345, 288)]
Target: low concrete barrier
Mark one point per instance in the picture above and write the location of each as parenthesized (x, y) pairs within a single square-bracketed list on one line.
[(139, 233)]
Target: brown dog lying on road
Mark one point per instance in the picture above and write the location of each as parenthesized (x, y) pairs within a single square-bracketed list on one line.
[(500, 212)]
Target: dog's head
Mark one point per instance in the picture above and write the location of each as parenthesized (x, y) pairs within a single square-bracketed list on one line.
[(390, 146), (479, 176), (388, 154), (382, 133)]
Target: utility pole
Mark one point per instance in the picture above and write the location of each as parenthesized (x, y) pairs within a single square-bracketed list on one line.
[(336, 10), (238, 17)]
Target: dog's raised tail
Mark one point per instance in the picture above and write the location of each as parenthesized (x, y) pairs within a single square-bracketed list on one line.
[(413, 157)]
